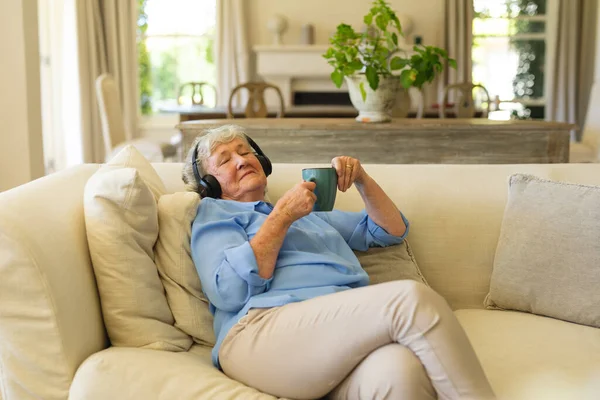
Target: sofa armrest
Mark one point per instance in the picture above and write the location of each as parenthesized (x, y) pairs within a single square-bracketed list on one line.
[(129, 373), (50, 318)]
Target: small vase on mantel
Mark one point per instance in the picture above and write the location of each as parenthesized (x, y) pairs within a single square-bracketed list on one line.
[(378, 105)]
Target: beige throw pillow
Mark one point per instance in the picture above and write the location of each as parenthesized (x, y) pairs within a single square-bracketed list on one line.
[(392, 263), (176, 212), (548, 256), (122, 227)]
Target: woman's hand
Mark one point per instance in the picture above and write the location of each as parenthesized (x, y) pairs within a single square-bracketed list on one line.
[(298, 201), (348, 171)]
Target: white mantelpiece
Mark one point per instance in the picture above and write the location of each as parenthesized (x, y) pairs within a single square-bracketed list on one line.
[(298, 68), (294, 68)]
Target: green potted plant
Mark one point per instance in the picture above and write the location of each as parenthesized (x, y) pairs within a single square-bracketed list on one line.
[(375, 67)]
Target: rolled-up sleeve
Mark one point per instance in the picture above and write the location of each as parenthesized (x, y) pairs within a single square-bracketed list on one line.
[(225, 260), (360, 231)]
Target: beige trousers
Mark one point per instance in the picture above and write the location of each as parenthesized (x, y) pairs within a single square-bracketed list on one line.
[(396, 340)]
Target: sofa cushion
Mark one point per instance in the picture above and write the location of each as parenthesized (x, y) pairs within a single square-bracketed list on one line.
[(384, 264), (548, 256), (174, 261), (527, 357), (125, 373), (122, 227)]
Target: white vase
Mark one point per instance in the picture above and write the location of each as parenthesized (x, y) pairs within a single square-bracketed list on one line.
[(378, 105)]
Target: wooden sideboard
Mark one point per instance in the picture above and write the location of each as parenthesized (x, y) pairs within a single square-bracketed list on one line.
[(199, 112), (401, 141)]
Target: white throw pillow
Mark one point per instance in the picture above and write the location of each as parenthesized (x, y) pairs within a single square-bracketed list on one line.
[(120, 206), (176, 212), (548, 256)]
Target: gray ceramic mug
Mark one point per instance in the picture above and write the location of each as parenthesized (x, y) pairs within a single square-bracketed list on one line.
[(326, 189)]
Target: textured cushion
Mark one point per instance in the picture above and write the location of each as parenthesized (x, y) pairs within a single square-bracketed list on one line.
[(122, 227), (122, 373), (384, 264), (173, 258), (548, 256), (529, 357)]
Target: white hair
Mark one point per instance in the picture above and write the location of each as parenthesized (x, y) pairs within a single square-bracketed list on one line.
[(207, 142)]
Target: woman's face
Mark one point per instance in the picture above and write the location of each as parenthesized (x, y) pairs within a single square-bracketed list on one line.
[(238, 171)]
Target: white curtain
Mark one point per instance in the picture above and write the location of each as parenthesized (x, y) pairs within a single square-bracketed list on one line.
[(571, 61), (62, 139), (106, 44), (231, 47), (458, 36)]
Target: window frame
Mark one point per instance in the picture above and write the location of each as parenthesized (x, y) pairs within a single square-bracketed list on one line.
[(550, 22)]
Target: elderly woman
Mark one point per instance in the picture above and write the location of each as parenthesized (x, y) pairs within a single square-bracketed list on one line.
[(293, 314)]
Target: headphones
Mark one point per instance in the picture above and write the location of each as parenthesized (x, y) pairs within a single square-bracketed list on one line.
[(208, 185)]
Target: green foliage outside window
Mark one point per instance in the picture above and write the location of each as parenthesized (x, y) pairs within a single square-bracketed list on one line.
[(165, 77), (529, 80), (144, 68)]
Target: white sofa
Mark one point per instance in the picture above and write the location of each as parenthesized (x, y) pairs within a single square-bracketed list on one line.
[(53, 343)]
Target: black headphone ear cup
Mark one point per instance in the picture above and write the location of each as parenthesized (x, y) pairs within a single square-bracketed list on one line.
[(210, 187), (266, 164)]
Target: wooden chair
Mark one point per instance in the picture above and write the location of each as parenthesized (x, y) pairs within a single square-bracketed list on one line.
[(197, 96), (256, 106), (464, 106)]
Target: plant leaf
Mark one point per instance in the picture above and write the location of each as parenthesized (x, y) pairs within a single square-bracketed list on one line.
[(395, 38), (356, 65), (381, 22), (372, 77), (398, 63), (441, 52), (337, 78), (363, 92), (406, 78), (368, 19), (452, 63)]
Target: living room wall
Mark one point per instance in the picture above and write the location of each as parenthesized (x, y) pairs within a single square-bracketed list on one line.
[(427, 17), (21, 154)]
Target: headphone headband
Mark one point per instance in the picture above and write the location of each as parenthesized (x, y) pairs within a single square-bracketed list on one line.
[(195, 163)]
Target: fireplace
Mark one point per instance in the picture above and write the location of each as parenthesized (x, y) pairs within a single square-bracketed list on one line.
[(303, 76), (303, 98), (301, 73)]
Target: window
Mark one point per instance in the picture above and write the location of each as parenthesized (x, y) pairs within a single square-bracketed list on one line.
[(509, 52), (175, 46)]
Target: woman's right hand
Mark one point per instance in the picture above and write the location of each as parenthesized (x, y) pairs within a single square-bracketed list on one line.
[(298, 201)]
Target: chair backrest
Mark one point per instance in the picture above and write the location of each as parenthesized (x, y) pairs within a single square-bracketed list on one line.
[(111, 115), (256, 106), (197, 96), (464, 106)]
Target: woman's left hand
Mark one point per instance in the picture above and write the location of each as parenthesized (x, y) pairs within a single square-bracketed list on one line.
[(348, 171)]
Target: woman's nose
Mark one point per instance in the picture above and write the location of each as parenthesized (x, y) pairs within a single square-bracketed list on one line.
[(240, 161)]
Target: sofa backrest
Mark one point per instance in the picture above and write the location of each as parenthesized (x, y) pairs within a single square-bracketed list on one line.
[(455, 213)]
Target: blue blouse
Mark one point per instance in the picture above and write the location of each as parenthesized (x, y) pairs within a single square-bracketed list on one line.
[(315, 258)]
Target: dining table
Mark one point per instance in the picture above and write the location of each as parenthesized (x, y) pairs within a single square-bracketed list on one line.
[(400, 141)]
